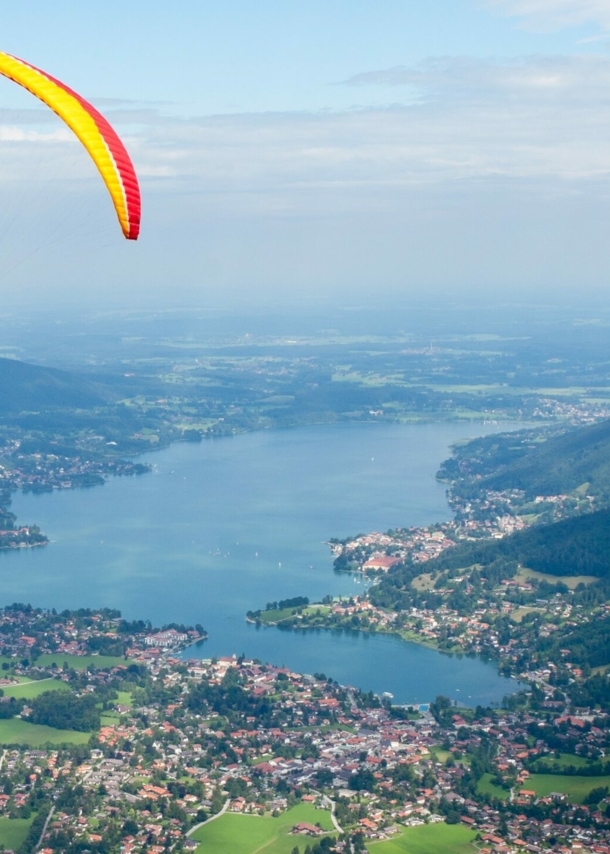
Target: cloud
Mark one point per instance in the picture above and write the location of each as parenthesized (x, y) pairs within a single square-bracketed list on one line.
[(474, 121), (17, 134), (121, 102), (492, 172), (548, 15), (472, 124), (600, 37), (483, 82)]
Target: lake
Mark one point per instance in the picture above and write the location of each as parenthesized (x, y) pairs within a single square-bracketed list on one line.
[(227, 525)]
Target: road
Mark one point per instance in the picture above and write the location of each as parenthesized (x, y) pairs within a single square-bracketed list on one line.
[(44, 829), (212, 818)]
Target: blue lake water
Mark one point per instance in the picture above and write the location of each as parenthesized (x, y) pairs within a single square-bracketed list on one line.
[(225, 526)]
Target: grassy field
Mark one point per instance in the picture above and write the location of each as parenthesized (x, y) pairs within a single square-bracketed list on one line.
[(13, 831), (439, 753), (125, 698), (111, 717), (16, 731), (27, 690), (571, 581), (247, 834), (564, 760), (425, 581), (486, 787), (575, 788), (278, 614), (80, 662), (519, 613), (428, 839), (601, 670)]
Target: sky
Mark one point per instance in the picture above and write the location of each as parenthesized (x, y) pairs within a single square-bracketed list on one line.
[(306, 151)]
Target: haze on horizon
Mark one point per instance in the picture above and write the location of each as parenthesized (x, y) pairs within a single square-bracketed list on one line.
[(355, 150)]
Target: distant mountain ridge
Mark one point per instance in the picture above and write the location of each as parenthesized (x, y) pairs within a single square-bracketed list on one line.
[(31, 388)]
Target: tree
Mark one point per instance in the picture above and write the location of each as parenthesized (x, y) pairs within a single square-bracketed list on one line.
[(361, 780), (324, 777), (217, 801), (63, 710), (130, 827)]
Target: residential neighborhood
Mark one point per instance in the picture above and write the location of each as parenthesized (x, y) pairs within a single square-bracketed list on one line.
[(180, 741)]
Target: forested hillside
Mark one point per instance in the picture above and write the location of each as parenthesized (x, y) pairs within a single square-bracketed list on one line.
[(578, 546), (27, 388), (558, 464), (561, 464)]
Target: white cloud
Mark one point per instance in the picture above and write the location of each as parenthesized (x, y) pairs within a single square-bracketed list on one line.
[(554, 14), (496, 172), (473, 123), (16, 134), (537, 119)]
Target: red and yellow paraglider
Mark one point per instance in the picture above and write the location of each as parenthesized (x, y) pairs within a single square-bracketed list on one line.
[(101, 141)]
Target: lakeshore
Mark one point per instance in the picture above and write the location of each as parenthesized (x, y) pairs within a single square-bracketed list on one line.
[(219, 526)]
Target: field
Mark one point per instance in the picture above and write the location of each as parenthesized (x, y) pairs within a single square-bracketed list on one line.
[(111, 717), (575, 788), (486, 787), (80, 662), (425, 581), (27, 690), (428, 839), (601, 670), (247, 834), (519, 613), (439, 754), (564, 760), (13, 831), (16, 731), (278, 615), (124, 698), (570, 581)]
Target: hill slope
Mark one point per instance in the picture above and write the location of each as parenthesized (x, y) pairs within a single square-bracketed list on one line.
[(560, 465), (578, 546), (29, 388)]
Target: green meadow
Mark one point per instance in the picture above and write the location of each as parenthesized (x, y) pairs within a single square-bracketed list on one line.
[(575, 788), (564, 760), (81, 662), (486, 787), (428, 839), (110, 719), (279, 614), (16, 731), (439, 753), (246, 834), (124, 698), (571, 581), (13, 832), (28, 689)]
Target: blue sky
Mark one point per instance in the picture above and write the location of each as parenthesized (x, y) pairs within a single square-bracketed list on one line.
[(317, 148)]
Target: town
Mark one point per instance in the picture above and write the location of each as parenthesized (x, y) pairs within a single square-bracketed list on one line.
[(157, 749)]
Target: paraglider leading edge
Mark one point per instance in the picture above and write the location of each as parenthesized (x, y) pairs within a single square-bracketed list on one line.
[(93, 130)]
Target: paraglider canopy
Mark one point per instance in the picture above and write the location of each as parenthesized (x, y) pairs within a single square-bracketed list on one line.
[(96, 134)]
